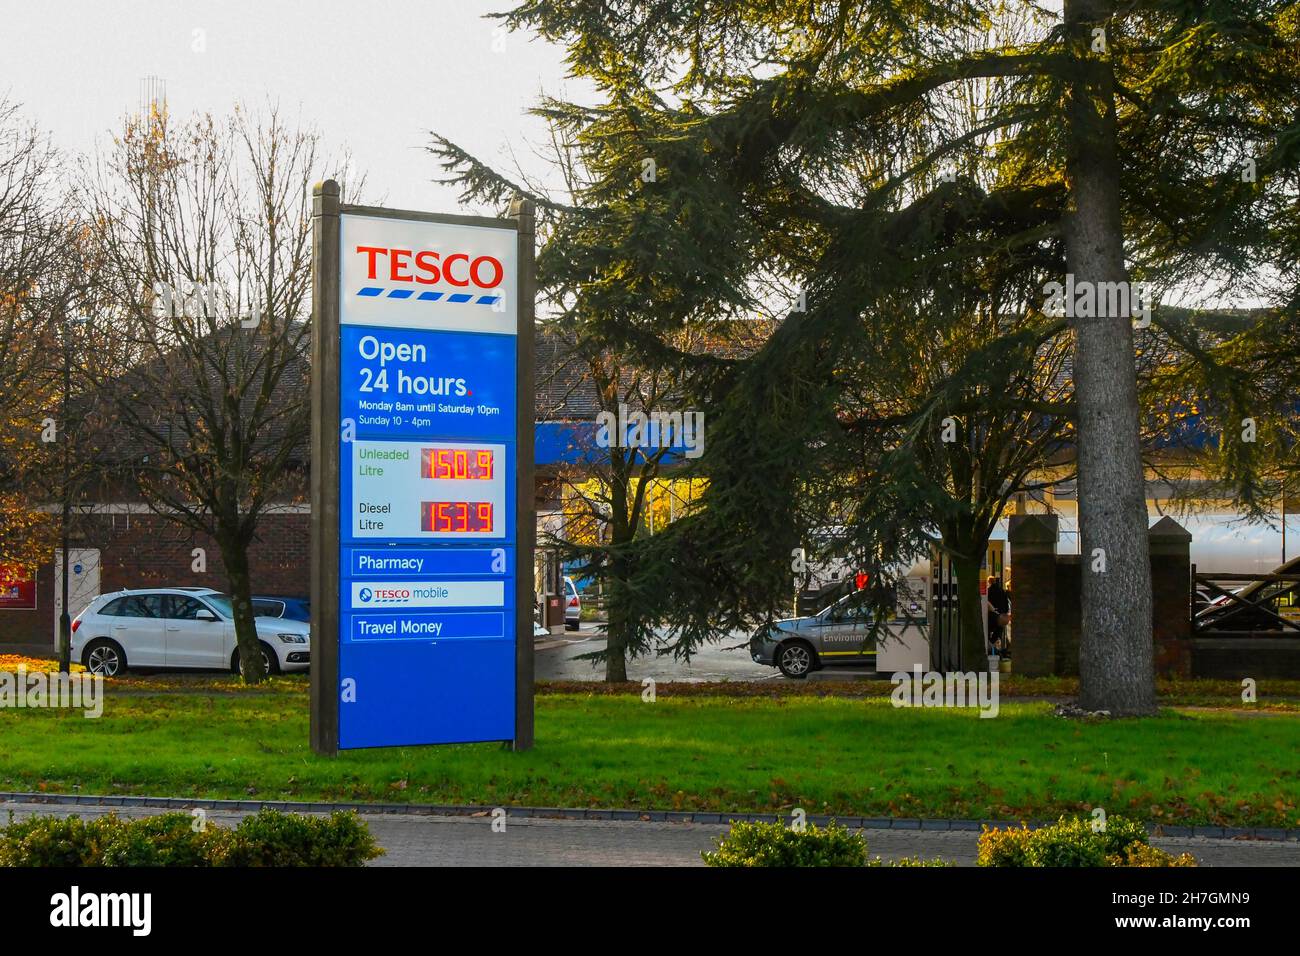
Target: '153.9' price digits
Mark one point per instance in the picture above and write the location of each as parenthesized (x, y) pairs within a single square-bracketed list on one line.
[(456, 517)]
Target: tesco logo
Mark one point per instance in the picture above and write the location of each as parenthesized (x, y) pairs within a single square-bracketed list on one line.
[(428, 267), (384, 595)]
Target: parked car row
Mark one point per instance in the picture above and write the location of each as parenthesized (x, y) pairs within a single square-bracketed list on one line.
[(194, 628)]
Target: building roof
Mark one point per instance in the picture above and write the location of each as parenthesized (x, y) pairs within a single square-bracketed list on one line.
[(563, 385)]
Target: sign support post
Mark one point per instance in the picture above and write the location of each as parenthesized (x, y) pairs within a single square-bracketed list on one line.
[(423, 506), (325, 430), (522, 211)]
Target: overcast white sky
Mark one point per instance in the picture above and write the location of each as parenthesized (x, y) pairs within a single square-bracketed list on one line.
[(373, 75)]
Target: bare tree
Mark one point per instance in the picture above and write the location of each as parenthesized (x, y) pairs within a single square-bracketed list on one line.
[(28, 167), (204, 230), (28, 245), (616, 473)]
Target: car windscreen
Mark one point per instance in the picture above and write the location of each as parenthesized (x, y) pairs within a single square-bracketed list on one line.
[(855, 607), (222, 603)]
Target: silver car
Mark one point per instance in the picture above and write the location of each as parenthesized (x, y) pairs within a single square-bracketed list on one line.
[(841, 634)]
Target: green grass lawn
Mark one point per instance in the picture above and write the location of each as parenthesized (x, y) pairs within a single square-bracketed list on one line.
[(841, 755)]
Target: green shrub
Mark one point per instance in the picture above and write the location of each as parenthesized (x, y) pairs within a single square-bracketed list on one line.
[(1142, 855), (50, 841), (911, 861), (269, 838), (1073, 842), (1004, 847), (772, 844), (1120, 834), (166, 840), (1068, 842)]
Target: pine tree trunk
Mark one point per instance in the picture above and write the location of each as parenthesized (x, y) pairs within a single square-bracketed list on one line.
[(974, 645), (616, 631), (621, 532), (1115, 646)]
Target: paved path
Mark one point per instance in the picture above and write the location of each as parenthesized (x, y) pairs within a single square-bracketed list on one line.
[(557, 660), (413, 840)]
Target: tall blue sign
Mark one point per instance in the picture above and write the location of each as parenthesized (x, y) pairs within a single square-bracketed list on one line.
[(428, 463)]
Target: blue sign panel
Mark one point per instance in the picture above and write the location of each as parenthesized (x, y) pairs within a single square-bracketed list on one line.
[(384, 562), (396, 385), (427, 496), (484, 625)]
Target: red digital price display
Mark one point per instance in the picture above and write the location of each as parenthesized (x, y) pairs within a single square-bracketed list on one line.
[(457, 464), (456, 517)]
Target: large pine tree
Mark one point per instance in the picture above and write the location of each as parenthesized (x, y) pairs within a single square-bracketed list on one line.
[(1154, 141)]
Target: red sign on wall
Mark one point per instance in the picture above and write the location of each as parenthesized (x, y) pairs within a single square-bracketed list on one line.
[(17, 588)]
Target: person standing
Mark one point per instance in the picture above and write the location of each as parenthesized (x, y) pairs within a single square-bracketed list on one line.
[(999, 615)]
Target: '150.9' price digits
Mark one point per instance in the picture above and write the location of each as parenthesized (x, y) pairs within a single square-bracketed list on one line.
[(456, 517), (456, 463)]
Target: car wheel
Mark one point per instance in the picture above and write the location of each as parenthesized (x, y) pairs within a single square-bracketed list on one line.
[(105, 658), (795, 659), (571, 625), (270, 663)]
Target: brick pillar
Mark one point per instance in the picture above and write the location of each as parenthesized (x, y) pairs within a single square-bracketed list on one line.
[(1033, 594), (1171, 597), (1069, 614)]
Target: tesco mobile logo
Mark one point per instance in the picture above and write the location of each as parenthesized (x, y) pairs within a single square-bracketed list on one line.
[(384, 595), (428, 267)]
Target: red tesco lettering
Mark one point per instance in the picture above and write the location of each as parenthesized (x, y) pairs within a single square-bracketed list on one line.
[(430, 267)]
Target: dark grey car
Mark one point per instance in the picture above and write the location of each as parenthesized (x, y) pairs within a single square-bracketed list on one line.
[(841, 634)]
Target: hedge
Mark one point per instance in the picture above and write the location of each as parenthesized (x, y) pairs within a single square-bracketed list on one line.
[(268, 838), (772, 844), (1074, 842)]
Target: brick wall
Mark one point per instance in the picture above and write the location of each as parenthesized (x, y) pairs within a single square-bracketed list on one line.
[(31, 627), (1233, 658), (142, 550), (149, 551), (1046, 614)]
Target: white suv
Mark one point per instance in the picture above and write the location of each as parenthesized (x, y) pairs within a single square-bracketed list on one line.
[(175, 628)]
